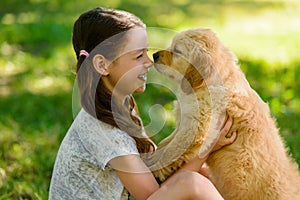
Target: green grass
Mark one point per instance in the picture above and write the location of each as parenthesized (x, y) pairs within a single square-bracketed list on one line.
[(37, 64)]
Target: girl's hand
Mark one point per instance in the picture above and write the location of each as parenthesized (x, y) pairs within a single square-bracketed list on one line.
[(224, 139), (196, 164)]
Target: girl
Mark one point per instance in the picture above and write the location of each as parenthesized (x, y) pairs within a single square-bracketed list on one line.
[(100, 156)]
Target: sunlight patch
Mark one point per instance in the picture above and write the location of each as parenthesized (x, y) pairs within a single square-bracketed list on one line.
[(48, 85)]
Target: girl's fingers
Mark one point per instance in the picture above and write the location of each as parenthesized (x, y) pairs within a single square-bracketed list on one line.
[(227, 126), (229, 140), (224, 138)]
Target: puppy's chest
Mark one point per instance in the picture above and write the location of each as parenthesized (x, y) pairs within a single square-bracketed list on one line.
[(195, 108)]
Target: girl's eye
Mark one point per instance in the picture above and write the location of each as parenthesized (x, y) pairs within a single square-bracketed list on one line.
[(139, 56)]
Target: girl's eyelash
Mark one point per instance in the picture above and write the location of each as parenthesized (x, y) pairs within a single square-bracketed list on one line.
[(141, 55)]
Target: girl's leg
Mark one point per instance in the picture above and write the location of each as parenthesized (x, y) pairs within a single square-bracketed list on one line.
[(186, 185)]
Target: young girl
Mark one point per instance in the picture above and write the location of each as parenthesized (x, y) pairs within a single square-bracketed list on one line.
[(99, 157)]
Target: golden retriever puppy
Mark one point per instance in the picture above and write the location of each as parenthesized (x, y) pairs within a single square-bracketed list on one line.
[(257, 165)]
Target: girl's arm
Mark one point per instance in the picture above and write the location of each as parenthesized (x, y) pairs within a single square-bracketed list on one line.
[(135, 176)]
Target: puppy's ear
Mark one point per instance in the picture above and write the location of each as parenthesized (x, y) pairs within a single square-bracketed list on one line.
[(203, 62), (192, 80), (205, 45)]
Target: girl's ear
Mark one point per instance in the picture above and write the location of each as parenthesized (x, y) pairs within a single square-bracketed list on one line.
[(100, 64)]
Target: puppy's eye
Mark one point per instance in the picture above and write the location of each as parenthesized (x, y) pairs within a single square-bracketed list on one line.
[(177, 51)]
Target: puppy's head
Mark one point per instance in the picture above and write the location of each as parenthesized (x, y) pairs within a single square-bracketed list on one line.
[(194, 59)]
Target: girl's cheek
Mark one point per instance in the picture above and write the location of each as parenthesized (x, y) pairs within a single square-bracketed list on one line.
[(139, 64)]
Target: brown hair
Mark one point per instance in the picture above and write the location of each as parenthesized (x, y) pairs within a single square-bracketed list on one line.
[(91, 30)]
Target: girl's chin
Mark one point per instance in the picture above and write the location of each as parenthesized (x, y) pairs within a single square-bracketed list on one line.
[(140, 89)]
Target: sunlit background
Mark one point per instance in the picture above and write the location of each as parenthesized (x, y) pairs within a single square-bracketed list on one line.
[(37, 66)]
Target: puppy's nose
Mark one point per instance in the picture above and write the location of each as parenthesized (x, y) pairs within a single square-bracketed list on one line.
[(155, 56)]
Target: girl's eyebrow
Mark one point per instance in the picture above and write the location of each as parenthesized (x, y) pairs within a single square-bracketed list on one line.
[(138, 51)]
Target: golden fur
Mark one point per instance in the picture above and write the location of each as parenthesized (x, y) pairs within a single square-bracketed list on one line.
[(256, 165)]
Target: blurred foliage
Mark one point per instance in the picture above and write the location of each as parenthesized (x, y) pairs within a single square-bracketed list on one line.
[(37, 64)]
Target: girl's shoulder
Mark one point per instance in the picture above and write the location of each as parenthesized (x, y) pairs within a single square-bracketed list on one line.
[(99, 138), (86, 121), (88, 126)]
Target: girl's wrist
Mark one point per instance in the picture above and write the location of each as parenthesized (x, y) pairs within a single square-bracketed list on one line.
[(203, 157)]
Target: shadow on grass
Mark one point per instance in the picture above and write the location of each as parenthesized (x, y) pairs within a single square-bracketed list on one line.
[(32, 127)]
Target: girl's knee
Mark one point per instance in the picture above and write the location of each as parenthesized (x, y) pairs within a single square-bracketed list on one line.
[(194, 180), (197, 186)]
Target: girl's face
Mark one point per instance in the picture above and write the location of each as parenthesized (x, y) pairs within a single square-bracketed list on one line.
[(128, 73)]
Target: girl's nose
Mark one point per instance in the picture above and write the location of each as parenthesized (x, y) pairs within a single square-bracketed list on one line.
[(148, 63)]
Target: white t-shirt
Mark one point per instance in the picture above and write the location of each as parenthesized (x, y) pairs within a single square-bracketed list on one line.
[(81, 169)]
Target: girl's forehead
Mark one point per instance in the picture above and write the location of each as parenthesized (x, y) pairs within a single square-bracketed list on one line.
[(136, 40)]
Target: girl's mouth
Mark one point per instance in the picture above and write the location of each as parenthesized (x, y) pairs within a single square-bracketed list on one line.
[(143, 77)]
